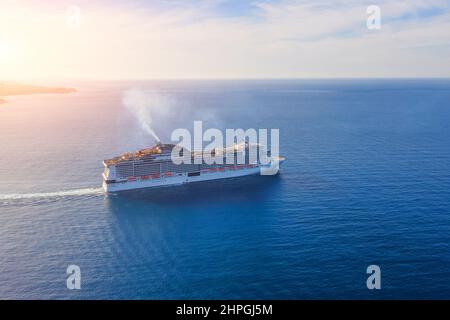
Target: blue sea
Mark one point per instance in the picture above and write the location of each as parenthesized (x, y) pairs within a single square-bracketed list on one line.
[(366, 181)]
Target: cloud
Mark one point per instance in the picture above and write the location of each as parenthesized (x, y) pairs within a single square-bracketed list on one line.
[(201, 39)]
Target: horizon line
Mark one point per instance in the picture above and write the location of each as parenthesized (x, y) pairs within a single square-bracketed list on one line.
[(221, 78)]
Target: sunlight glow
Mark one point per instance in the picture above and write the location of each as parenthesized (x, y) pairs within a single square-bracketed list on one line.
[(282, 39), (5, 51)]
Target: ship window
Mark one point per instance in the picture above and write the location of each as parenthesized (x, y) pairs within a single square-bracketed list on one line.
[(193, 174)]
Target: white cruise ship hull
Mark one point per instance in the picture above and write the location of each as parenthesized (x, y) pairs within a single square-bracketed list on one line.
[(182, 178)]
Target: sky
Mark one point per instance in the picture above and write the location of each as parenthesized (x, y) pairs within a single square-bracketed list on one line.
[(190, 39)]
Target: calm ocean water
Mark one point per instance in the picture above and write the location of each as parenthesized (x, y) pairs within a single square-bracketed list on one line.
[(366, 181)]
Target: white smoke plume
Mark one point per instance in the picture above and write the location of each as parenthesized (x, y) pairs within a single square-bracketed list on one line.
[(146, 106)]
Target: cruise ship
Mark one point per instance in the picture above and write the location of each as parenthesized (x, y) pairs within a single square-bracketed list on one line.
[(153, 167)]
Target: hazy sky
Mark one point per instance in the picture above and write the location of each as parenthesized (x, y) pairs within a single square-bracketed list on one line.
[(222, 39)]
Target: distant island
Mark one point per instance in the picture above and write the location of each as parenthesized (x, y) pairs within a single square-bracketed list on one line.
[(14, 89)]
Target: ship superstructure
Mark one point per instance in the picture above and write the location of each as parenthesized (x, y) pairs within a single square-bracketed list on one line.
[(153, 167)]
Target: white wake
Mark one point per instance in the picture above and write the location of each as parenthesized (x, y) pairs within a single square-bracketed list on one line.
[(56, 194)]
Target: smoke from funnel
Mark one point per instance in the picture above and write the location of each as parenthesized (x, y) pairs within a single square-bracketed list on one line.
[(145, 106)]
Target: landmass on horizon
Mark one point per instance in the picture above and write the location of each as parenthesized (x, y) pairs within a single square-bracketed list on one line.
[(14, 89)]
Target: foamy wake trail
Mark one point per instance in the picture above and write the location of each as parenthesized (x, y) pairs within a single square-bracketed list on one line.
[(56, 194)]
